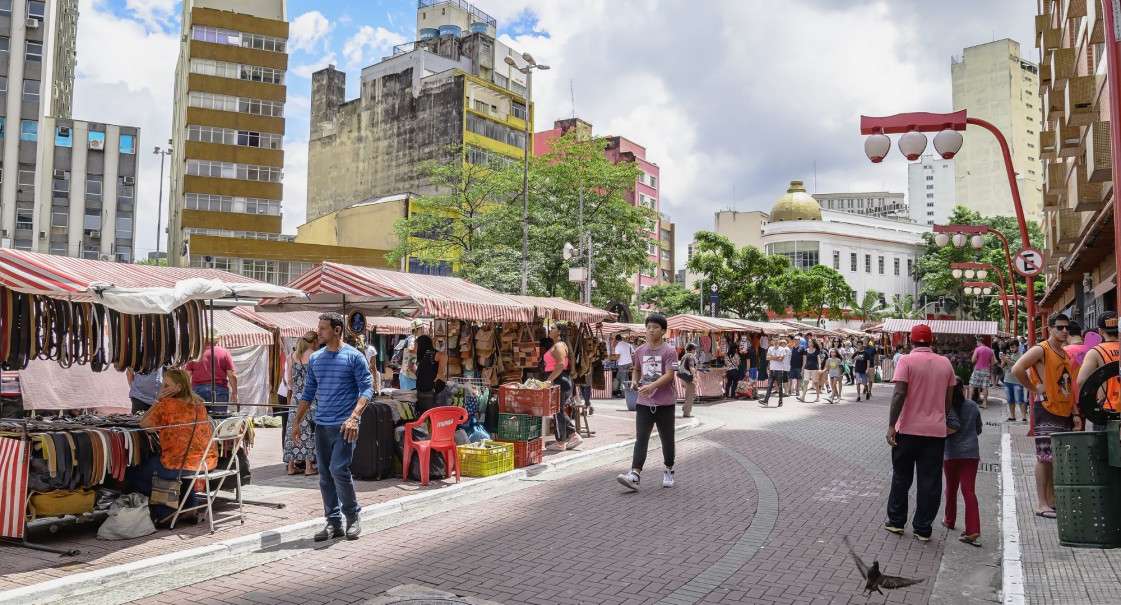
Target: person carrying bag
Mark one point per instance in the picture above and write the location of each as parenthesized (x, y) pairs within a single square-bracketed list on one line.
[(686, 371)]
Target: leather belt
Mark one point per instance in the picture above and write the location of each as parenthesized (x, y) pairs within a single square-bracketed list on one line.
[(98, 362)]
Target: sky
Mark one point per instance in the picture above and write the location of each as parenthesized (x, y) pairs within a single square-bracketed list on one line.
[(732, 99)]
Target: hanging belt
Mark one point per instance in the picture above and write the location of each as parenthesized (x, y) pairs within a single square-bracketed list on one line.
[(98, 361)]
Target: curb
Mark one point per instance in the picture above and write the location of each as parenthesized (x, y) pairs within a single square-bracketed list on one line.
[(60, 588), (1012, 568)]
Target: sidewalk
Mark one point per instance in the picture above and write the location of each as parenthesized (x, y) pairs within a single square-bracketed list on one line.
[(300, 495)]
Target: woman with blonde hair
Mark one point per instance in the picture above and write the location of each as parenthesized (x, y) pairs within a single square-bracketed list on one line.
[(179, 417), (305, 450)]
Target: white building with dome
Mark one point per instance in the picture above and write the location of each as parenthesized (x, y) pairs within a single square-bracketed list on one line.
[(871, 253)]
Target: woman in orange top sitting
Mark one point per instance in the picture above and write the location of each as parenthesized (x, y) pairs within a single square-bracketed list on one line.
[(179, 417)]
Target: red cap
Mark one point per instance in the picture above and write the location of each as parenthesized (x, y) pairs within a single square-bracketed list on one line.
[(922, 333)]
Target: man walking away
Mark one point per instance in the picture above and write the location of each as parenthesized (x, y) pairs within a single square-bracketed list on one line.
[(623, 359), (1051, 379), (688, 366), (979, 379), (872, 356), (1100, 355), (924, 392), (860, 369), (654, 373), (339, 377), (797, 360), (779, 358)]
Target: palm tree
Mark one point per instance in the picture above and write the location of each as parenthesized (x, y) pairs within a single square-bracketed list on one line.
[(870, 308), (904, 307)]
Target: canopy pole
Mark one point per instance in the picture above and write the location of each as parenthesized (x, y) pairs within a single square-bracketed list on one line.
[(211, 336)]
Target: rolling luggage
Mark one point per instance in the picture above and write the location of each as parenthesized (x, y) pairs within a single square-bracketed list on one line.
[(374, 449)]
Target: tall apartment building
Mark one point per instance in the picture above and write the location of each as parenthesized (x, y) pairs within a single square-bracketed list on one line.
[(932, 189), (1081, 260), (228, 140), (880, 204), (450, 89), (992, 82), (743, 228), (71, 185), (645, 193)]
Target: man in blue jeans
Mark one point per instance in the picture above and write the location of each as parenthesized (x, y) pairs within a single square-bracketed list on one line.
[(340, 377)]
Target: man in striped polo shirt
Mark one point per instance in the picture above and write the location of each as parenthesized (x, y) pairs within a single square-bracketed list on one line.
[(338, 375)]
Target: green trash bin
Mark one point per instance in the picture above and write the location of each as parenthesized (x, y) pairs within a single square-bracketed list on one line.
[(1087, 490), (1113, 434)]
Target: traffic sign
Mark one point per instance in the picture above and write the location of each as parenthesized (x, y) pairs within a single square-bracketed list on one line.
[(713, 288), (1028, 262)]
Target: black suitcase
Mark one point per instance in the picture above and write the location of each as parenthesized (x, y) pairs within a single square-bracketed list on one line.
[(374, 450)]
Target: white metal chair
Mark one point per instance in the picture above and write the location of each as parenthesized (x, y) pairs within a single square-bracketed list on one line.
[(230, 433)]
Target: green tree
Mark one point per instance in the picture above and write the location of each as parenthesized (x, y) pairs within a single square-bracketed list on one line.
[(154, 262), (671, 299), (818, 292), (904, 307), (869, 309), (748, 282)]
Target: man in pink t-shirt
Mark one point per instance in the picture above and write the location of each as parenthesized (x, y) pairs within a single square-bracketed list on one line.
[(224, 376), (982, 372), (924, 390)]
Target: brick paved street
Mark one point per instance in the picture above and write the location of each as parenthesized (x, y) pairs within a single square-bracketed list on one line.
[(762, 501)]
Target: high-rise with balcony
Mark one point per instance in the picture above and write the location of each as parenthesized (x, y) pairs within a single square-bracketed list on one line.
[(992, 82), (71, 184), (880, 204)]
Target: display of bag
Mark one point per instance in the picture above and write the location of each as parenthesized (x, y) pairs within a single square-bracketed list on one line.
[(129, 518), (60, 502), (509, 335), (744, 388), (453, 334), (527, 353)]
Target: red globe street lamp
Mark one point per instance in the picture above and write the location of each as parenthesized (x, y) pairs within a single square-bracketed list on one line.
[(947, 146), (981, 272)]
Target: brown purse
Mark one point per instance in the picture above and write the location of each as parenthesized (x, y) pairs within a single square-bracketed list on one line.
[(527, 353)]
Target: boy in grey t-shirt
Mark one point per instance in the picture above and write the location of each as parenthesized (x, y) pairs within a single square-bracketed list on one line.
[(655, 364)]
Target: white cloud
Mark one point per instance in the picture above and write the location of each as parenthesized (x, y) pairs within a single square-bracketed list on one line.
[(295, 183), (305, 70), (156, 15), (308, 31), (370, 44)]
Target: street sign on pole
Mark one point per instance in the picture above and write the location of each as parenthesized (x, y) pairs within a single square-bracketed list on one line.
[(713, 303), (1028, 262)]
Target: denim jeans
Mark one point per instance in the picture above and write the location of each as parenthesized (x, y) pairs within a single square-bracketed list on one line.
[(336, 485), (140, 478), (221, 395)]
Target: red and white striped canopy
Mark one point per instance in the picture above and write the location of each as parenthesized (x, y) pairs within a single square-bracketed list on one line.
[(293, 324), (697, 323), (561, 309), (237, 332), (610, 329), (943, 326), (34, 273), (447, 297)]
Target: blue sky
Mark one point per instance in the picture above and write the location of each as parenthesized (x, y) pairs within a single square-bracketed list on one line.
[(724, 94)]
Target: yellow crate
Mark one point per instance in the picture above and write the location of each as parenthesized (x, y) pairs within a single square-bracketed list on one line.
[(485, 458)]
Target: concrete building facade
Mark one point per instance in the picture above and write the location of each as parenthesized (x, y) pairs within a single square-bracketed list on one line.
[(883, 204), (71, 185), (743, 228), (992, 82), (931, 189)]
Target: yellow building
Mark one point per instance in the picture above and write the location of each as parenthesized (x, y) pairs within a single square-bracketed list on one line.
[(228, 139)]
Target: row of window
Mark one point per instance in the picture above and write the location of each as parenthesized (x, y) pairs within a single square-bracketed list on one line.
[(222, 69), (493, 130), (91, 222), (257, 107), (33, 51), (30, 89), (481, 157), (265, 235), (230, 170), (271, 271), (649, 180), (868, 263), (61, 187), (36, 9), (225, 203), (218, 35), (64, 136), (229, 136)]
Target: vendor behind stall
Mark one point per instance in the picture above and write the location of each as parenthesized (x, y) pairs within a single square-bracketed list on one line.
[(225, 374), (180, 419)]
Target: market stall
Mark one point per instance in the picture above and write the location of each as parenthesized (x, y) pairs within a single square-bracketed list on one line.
[(953, 339), (714, 337)]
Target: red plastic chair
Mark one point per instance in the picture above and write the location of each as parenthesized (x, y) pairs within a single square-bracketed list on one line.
[(444, 422)]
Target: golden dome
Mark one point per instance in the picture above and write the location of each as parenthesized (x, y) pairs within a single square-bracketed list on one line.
[(796, 205)]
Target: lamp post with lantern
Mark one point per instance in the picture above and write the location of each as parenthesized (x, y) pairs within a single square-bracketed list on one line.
[(981, 271), (947, 143), (530, 65)]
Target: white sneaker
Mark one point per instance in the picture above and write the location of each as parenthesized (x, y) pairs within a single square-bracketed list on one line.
[(629, 479), (556, 446), (667, 478), (573, 442)]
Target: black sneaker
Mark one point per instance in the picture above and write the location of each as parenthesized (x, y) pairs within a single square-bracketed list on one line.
[(328, 532), (353, 528), (867, 395)]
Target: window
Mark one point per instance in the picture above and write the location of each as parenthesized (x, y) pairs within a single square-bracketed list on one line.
[(92, 221), (930, 196), (910, 262), (929, 187), (28, 130), (124, 227), (93, 188), (63, 140), (127, 144), (25, 218), (5, 8), (124, 254), (881, 265), (58, 248), (896, 262), (836, 260), (124, 193), (222, 203), (34, 51), (930, 204), (495, 131), (2, 128), (3, 87), (229, 170), (519, 110), (867, 263), (802, 254), (5, 47), (36, 9), (60, 219), (31, 90), (61, 187), (852, 261), (929, 177), (27, 177)]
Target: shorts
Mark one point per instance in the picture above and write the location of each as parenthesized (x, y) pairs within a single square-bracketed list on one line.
[(795, 373), (1046, 423), (834, 374), (861, 378), (812, 375), (979, 379), (1014, 393)]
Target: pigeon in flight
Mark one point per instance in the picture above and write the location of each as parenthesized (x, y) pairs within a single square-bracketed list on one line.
[(873, 579)]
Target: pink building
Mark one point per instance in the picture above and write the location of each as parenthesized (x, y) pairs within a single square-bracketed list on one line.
[(645, 193)]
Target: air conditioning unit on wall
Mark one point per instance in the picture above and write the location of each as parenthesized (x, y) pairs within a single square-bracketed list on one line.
[(128, 180), (97, 144), (33, 24)]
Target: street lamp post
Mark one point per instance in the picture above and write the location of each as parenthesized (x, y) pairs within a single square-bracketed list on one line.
[(528, 71), (981, 270), (163, 153), (986, 288), (947, 143)]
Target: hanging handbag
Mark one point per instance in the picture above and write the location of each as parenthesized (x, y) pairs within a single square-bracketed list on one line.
[(527, 354)]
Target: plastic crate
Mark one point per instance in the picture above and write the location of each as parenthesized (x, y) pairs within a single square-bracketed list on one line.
[(527, 452), (518, 427), (485, 458), (515, 399)]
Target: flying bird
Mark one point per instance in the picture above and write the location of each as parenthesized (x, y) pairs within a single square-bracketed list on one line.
[(873, 579)]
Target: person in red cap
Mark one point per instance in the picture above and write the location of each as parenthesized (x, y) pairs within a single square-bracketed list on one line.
[(924, 392)]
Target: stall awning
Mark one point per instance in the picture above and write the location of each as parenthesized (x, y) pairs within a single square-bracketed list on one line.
[(610, 329), (293, 324), (237, 332), (448, 297), (697, 323), (943, 326), (563, 310)]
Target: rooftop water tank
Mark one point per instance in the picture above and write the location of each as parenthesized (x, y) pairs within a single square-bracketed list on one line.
[(427, 33), (450, 30), (478, 27)]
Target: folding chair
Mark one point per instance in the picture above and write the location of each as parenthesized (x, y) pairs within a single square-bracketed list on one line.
[(231, 433)]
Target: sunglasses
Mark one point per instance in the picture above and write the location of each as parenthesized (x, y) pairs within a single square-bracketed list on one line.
[(1065, 328)]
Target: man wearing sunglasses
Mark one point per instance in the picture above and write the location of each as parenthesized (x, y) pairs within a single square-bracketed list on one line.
[(1045, 372)]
